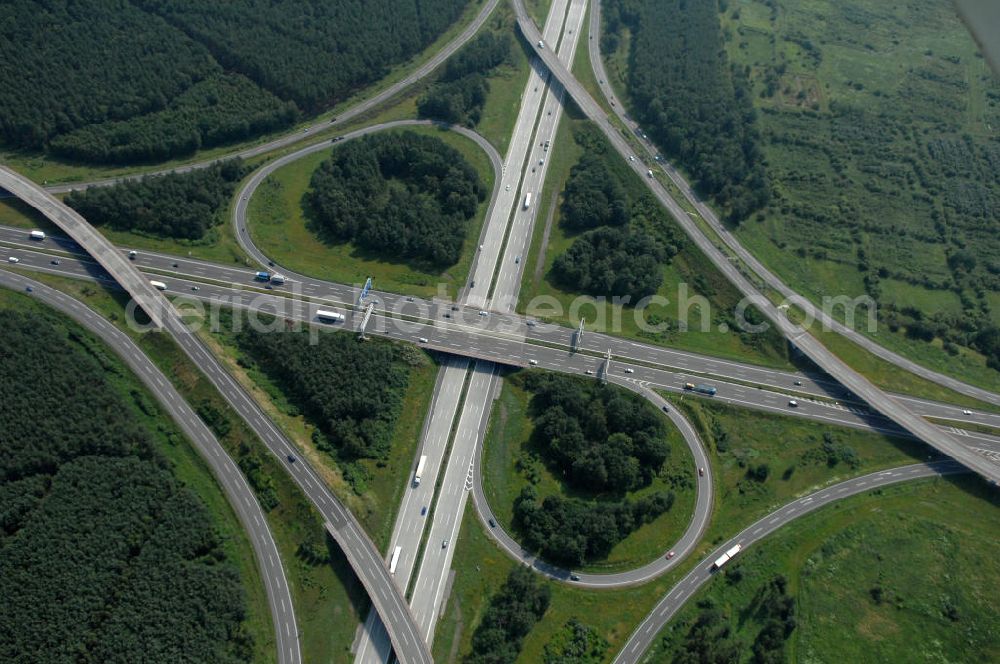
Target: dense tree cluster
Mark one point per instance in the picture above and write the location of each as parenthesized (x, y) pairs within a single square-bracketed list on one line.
[(511, 614), (185, 74), (351, 391), (104, 555), (626, 239), (179, 205), (594, 196), (313, 52), (612, 262), (597, 437), (690, 101), (571, 531), (404, 195), (459, 94), (219, 110)]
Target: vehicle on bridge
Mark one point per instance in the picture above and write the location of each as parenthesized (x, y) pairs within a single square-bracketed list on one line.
[(329, 316), (726, 557)]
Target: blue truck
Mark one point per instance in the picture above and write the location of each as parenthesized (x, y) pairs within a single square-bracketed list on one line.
[(702, 389)]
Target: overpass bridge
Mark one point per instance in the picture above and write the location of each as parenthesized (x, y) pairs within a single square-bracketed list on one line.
[(360, 551)]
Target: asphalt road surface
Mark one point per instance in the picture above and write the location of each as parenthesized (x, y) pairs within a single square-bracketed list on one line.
[(470, 335), (343, 526), (228, 475), (772, 280), (801, 339), (686, 588)]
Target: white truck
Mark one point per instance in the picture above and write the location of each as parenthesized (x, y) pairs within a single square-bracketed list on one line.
[(727, 556), (394, 560), (36, 235), (420, 469), (277, 279), (329, 316), (527, 200)]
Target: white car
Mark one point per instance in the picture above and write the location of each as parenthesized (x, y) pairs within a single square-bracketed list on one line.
[(792, 403), (484, 313), (966, 412), (422, 340), (13, 259), (629, 370), (590, 372), (532, 362), (508, 187)]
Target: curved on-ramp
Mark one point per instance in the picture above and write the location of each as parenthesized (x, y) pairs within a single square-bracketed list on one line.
[(227, 474), (684, 546), (347, 531), (769, 278), (239, 217), (809, 345)]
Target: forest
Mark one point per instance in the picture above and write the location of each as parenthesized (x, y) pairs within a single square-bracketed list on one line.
[(104, 555), (623, 241), (351, 391), (192, 73), (220, 110), (572, 531), (176, 205), (512, 612), (460, 92), (693, 105), (597, 437), (404, 195)]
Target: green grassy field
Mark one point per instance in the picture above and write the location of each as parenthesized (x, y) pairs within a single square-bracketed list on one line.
[(189, 467), (507, 438), (278, 226), (43, 169), (877, 122), (928, 546), (689, 271), (481, 567), (740, 439), (329, 600)]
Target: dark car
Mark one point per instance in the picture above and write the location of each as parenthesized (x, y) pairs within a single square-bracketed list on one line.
[(291, 458), (493, 522), (574, 577), (423, 510), (54, 261)]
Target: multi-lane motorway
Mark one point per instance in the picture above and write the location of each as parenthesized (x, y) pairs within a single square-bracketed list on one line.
[(499, 336)]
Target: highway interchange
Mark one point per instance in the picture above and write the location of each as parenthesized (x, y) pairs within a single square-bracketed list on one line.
[(500, 337)]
